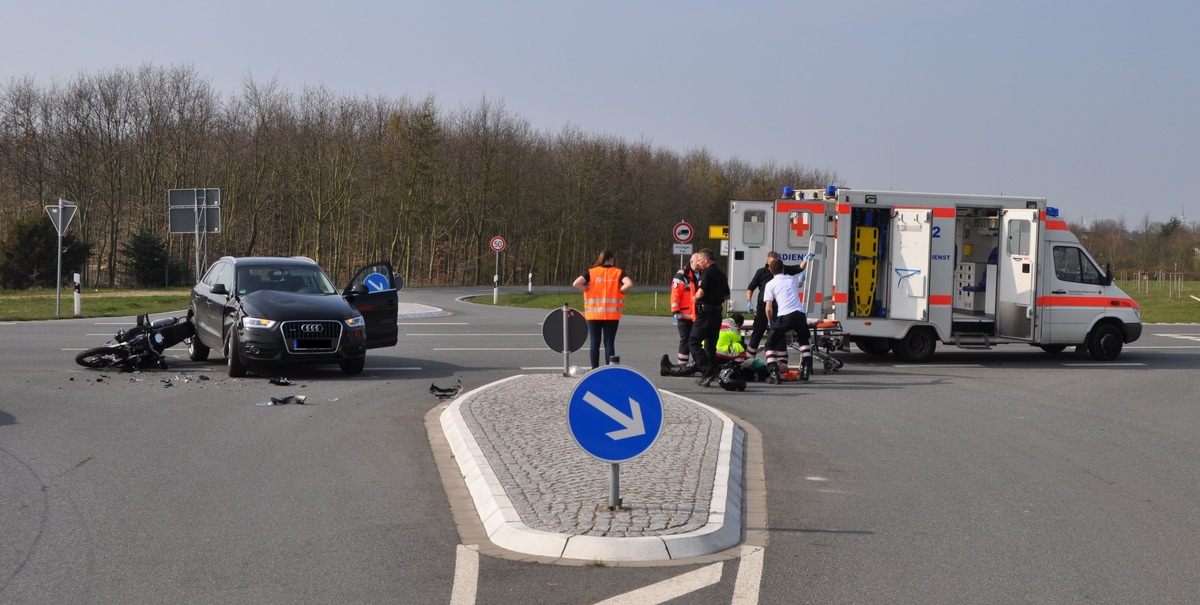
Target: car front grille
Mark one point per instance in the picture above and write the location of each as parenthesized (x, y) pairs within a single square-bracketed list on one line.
[(312, 336)]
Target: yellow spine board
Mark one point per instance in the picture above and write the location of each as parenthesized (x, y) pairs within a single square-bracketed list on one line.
[(866, 267)]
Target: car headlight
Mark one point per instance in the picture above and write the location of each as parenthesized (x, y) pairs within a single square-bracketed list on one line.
[(256, 323), (356, 322)]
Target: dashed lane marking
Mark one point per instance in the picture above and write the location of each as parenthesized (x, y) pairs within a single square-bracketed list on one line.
[(466, 576)]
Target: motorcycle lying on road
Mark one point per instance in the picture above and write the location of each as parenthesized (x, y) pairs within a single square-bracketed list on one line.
[(139, 347)]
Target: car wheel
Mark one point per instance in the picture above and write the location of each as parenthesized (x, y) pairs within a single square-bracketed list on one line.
[(917, 346), (196, 349), (354, 366), (233, 356), (1105, 342), (873, 346)]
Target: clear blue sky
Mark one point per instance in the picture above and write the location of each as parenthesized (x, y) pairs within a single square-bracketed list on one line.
[(1093, 104)]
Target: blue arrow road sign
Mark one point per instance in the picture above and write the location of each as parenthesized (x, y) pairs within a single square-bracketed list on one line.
[(376, 282), (615, 414)]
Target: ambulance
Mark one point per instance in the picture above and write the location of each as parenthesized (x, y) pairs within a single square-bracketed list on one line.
[(903, 271)]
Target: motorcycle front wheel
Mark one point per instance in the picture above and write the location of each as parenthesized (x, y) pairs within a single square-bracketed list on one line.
[(102, 357)]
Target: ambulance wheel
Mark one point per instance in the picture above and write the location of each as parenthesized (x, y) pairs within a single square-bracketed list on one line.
[(1105, 342), (917, 346), (1054, 349), (873, 346)]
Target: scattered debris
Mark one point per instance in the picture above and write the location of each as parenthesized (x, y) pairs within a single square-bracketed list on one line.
[(446, 393), (281, 381), (296, 399)]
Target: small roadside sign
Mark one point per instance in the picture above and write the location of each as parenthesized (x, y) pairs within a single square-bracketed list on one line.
[(376, 282), (61, 215), (682, 249), (576, 326), (498, 244), (682, 232)]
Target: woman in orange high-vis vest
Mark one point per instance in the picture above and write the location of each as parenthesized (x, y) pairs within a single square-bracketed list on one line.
[(604, 287)]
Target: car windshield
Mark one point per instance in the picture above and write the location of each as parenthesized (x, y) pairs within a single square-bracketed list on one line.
[(300, 279)]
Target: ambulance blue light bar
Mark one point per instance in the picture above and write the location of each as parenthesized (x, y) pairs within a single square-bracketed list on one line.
[(788, 192), (1051, 212)]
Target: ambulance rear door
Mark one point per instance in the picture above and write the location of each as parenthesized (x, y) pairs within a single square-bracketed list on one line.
[(908, 279), (1016, 268), (751, 227)]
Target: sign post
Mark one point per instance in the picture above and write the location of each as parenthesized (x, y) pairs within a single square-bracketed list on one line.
[(682, 232), (600, 424), (573, 333), (195, 211), (61, 216), (498, 245)]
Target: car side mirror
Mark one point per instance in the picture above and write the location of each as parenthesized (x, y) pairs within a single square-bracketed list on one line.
[(219, 289), (1107, 280), (357, 289)]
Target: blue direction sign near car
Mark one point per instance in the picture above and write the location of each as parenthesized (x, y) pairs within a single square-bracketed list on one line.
[(615, 414), (376, 282)]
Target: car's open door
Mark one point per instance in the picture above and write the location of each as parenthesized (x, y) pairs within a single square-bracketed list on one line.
[(373, 292)]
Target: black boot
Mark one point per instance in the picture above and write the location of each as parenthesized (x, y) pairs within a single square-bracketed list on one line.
[(683, 369), (665, 367)]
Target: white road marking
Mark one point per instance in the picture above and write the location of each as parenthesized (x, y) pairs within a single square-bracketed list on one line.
[(749, 576), (671, 588), (466, 576), (939, 365), (1101, 364), (431, 323), (532, 368), (493, 349), (441, 334)]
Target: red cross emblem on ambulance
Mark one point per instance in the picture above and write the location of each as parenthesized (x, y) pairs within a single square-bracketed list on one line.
[(799, 222)]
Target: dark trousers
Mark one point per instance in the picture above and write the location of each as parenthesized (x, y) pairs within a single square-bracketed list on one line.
[(796, 323), (606, 329), (758, 328), (706, 329), (685, 335)]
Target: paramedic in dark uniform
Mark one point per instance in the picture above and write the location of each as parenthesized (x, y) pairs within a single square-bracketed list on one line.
[(760, 279), (712, 290)]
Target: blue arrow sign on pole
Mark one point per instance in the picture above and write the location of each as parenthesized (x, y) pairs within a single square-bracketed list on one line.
[(615, 414), (376, 282)]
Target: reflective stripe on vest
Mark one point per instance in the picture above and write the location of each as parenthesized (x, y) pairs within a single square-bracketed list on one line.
[(603, 299)]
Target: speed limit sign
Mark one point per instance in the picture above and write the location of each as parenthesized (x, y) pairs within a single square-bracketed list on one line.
[(498, 244)]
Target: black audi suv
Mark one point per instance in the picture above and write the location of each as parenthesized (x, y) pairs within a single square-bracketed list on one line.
[(269, 311)]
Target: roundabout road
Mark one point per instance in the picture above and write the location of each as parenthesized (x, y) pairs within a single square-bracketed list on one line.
[(986, 476)]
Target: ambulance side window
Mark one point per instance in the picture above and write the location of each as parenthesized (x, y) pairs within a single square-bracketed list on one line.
[(798, 229), (1018, 238), (754, 227), (1071, 264)]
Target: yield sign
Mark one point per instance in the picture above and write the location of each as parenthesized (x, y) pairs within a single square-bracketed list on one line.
[(615, 414), (61, 215)]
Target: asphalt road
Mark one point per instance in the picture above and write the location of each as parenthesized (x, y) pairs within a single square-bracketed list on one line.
[(1004, 476)]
